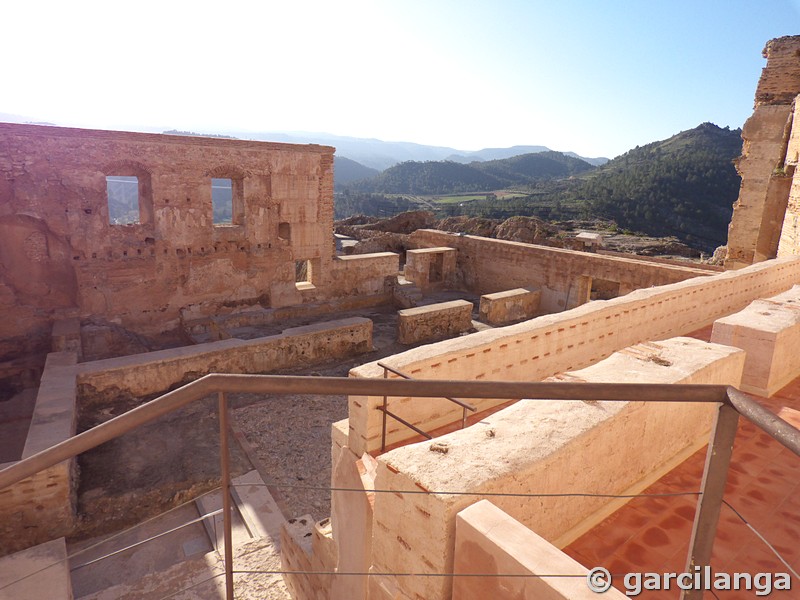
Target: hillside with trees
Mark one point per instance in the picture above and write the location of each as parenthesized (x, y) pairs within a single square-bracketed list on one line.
[(684, 186)]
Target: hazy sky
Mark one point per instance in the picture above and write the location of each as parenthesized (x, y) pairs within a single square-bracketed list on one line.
[(595, 77)]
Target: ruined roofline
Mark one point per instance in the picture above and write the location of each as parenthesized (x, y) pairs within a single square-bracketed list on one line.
[(160, 138), (779, 83), (781, 44)]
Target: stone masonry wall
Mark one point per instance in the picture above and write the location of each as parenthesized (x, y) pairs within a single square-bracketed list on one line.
[(758, 214), (487, 266), (60, 256)]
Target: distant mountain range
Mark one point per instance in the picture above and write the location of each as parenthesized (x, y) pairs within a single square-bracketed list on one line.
[(381, 155), (372, 153)]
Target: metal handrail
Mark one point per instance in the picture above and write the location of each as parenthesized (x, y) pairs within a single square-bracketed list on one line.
[(731, 401), (384, 408)]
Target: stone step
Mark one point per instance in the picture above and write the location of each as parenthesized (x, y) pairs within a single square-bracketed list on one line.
[(257, 507), (214, 526), (37, 572)]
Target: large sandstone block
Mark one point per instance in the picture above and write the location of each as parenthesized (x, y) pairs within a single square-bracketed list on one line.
[(434, 321), (769, 332), (511, 305), (490, 541)]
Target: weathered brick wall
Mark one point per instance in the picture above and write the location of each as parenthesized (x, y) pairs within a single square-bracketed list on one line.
[(59, 253), (42, 507)]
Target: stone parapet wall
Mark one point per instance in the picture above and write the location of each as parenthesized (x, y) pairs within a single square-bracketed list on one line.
[(539, 348), (543, 447), (42, 507), (769, 331)]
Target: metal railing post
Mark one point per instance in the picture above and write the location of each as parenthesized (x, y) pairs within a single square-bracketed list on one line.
[(383, 426), (715, 475), (226, 493)]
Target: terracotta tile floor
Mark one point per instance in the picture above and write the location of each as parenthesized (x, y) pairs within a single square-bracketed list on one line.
[(652, 534)]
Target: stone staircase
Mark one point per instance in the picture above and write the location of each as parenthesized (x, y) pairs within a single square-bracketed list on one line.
[(189, 561), (36, 573)]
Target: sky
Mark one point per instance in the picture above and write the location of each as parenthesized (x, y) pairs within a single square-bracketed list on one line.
[(593, 77)]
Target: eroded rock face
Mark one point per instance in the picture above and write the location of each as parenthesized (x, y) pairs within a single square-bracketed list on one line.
[(406, 222), (525, 229), (470, 225)]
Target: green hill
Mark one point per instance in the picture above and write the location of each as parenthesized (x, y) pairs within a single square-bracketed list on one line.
[(346, 171), (683, 186), (447, 177)]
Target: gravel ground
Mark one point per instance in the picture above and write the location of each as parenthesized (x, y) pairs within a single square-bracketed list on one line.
[(290, 436)]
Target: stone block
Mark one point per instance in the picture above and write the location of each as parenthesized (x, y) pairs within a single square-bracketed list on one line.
[(506, 307), (544, 447), (431, 268), (490, 541), (434, 321), (769, 332)]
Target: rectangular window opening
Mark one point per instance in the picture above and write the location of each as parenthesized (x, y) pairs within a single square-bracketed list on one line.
[(123, 199), (222, 201), (302, 271)]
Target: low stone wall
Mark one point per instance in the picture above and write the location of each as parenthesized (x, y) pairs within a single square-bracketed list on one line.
[(542, 447), (42, 507), (506, 307), (433, 321), (769, 331), (153, 372), (541, 347), (490, 541), (486, 266)]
